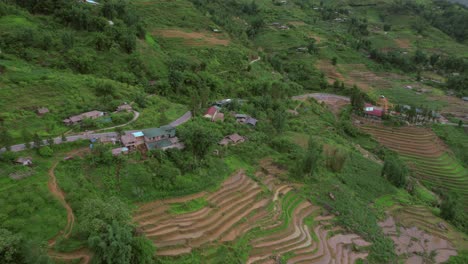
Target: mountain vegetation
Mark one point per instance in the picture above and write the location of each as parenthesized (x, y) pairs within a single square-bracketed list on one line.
[(334, 170)]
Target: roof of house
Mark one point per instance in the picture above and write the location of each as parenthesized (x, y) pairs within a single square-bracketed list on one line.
[(92, 113), (251, 121), (117, 151), (42, 110), (124, 107), (159, 144), (235, 137), (138, 134), (241, 116), (128, 138), (158, 131), (465, 98), (375, 112), (23, 159), (211, 111)]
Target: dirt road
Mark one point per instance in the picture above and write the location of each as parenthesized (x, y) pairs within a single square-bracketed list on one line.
[(55, 190)]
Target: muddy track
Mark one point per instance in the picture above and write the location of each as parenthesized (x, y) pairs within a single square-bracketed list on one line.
[(55, 190), (84, 255)]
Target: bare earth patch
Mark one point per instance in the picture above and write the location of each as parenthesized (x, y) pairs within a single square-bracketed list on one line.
[(419, 236), (403, 43), (334, 102), (330, 71), (193, 38), (358, 75), (241, 205), (456, 106)]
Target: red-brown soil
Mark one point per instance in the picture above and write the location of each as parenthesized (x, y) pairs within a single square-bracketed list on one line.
[(297, 237), (239, 206), (403, 43), (238, 198), (358, 75), (334, 102), (83, 255), (416, 236), (413, 141), (456, 106), (193, 38)]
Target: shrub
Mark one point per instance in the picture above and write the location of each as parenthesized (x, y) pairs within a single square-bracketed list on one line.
[(335, 159), (395, 171), (46, 151)]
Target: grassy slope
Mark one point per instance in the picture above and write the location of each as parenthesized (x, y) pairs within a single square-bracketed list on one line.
[(26, 206), (63, 91)]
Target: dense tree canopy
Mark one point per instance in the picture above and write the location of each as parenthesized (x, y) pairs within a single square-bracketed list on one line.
[(107, 227), (395, 171)]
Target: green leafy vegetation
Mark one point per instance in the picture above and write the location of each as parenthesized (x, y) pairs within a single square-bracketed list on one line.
[(169, 57)]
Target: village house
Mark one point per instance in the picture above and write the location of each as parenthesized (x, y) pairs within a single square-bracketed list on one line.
[(232, 139), (25, 161), (124, 107), (108, 139), (78, 118), (160, 138), (160, 133), (42, 111), (372, 111), (214, 114), (119, 151), (130, 141), (245, 119)]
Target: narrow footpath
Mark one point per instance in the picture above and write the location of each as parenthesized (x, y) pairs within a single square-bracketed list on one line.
[(84, 254)]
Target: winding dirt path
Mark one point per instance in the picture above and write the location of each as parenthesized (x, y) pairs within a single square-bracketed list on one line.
[(83, 254), (60, 195)]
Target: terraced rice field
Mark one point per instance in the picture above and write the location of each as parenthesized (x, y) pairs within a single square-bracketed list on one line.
[(426, 155), (276, 220), (420, 237)]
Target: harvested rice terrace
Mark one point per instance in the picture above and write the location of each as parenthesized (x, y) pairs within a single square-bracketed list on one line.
[(416, 232), (271, 216), (426, 156)]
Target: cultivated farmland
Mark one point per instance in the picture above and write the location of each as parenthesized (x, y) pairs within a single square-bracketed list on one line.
[(276, 220), (426, 155)]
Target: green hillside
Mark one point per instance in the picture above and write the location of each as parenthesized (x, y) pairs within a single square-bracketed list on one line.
[(309, 168)]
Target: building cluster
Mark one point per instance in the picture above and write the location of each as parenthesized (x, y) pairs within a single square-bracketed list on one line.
[(95, 114), (149, 139), (382, 108), (214, 114), (76, 119), (377, 111)]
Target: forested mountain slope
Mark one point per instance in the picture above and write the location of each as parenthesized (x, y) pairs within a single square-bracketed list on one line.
[(304, 184)]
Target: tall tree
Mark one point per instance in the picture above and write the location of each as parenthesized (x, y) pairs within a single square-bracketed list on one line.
[(395, 171), (106, 226), (198, 137)]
